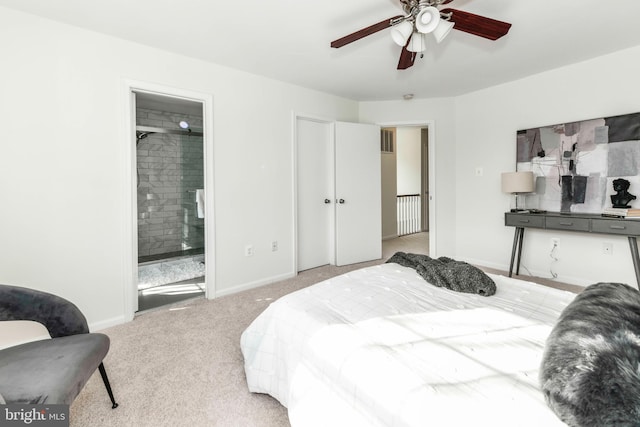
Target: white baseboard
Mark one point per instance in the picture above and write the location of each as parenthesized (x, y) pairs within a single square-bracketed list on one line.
[(393, 236), (104, 324), (253, 285), (524, 271), (114, 321), (483, 263)]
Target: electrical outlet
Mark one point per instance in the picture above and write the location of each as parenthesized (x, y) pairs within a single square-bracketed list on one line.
[(607, 248), (248, 250), (274, 246)]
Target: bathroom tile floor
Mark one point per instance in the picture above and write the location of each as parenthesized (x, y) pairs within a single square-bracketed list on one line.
[(157, 296)]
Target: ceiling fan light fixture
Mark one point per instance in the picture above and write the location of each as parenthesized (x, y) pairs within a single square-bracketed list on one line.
[(417, 43), (444, 27), (423, 17), (427, 19), (401, 32)]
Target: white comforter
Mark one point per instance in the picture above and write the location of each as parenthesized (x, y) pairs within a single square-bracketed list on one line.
[(381, 347)]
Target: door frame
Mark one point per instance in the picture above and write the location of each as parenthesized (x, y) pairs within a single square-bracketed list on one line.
[(130, 218), (294, 134), (431, 132), (424, 180)]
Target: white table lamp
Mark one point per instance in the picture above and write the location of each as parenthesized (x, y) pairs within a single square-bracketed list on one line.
[(517, 183)]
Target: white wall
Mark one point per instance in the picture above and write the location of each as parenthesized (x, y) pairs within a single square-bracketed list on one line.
[(478, 130), (409, 160), (62, 161), (486, 124)]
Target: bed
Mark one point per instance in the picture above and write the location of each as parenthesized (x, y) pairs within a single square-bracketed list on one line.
[(382, 347)]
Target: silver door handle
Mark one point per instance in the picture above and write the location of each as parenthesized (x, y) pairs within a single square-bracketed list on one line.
[(327, 201)]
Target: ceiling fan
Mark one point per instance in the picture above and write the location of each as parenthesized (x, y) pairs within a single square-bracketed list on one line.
[(424, 17)]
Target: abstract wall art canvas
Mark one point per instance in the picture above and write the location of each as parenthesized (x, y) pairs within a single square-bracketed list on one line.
[(574, 164)]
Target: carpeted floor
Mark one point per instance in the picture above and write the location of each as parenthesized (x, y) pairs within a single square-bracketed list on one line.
[(182, 366)]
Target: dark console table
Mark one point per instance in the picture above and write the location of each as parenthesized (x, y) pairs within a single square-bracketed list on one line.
[(583, 223)]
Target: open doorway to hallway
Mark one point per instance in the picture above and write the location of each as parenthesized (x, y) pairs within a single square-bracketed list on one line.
[(405, 187), (416, 243)]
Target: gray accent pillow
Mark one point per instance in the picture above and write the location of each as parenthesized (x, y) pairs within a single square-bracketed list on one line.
[(590, 371)]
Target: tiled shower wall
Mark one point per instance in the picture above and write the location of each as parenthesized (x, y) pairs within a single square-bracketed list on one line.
[(170, 169)]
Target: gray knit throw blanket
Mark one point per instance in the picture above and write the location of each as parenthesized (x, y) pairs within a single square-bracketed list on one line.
[(448, 273)]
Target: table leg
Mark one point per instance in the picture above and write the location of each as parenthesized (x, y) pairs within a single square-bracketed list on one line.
[(519, 250), (516, 239), (633, 245)]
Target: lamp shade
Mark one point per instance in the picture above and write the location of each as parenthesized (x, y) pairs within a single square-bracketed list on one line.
[(427, 20), (444, 27), (417, 43), (517, 182), (400, 33)]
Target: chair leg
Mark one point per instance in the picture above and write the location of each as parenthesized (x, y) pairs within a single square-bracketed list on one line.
[(103, 374)]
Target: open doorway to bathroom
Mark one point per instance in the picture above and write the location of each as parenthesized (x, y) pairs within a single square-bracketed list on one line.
[(170, 200)]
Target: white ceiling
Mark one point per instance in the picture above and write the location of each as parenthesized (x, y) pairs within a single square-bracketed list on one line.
[(289, 39)]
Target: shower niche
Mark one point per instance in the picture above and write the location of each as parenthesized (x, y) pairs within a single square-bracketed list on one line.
[(170, 200)]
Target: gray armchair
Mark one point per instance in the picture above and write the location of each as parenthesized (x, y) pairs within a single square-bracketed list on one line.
[(52, 370)]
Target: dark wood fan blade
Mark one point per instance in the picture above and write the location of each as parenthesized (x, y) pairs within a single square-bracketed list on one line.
[(406, 58), (363, 32), (478, 25)]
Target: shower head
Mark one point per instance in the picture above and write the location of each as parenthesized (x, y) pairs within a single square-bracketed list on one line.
[(141, 135)]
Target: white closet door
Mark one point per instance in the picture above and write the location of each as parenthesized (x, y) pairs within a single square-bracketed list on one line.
[(314, 165), (358, 193)]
